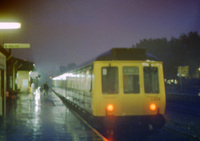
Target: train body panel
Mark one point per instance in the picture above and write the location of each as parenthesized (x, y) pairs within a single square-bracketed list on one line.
[(128, 100), (77, 87)]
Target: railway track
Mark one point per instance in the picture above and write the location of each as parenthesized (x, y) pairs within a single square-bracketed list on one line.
[(167, 129), (183, 118), (184, 108)]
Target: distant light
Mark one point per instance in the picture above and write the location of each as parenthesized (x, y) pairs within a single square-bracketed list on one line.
[(10, 25), (64, 76)]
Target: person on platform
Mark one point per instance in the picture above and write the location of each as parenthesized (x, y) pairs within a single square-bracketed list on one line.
[(32, 88), (46, 88)]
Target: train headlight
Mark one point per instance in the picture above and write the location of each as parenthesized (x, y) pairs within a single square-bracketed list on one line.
[(153, 107), (110, 108)]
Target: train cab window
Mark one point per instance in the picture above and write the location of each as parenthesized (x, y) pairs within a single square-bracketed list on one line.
[(131, 80), (151, 81), (110, 80)]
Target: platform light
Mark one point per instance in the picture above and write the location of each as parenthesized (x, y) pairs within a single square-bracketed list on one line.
[(10, 25)]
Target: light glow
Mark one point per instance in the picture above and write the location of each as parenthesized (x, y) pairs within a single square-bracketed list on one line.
[(10, 25), (153, 107), (64, 76), (110, 108)]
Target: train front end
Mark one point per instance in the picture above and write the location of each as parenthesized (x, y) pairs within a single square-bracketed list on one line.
[(129, 92)]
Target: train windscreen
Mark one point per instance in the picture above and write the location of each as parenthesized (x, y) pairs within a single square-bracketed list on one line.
[(151, 81), (131, 80), (110, 80)]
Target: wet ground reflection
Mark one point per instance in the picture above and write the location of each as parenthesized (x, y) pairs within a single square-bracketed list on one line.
[(36, 117)]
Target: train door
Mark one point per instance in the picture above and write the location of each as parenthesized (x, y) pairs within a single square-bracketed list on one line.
[(154, 88), (132, 92), (106, 90)]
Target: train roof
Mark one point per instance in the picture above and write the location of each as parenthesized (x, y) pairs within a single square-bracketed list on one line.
[(119, 54), (123, 54)]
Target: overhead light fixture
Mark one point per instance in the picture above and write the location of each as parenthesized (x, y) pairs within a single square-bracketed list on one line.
[(10, 25)]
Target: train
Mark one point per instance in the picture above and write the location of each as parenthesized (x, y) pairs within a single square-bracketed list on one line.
[(123, 86)]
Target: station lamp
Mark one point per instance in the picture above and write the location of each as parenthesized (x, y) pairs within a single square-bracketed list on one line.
[(10, 25)]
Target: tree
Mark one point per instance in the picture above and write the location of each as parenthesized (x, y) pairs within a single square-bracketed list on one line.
[(181, 51)]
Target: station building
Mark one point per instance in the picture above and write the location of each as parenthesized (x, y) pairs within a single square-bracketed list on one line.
[(14, 76)]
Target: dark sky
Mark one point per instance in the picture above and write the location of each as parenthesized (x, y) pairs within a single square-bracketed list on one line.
[(66, 31)]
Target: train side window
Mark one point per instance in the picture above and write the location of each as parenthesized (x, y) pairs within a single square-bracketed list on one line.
[(88, 80), (131, 80), (151, 81), (82, 79), (110, 80)]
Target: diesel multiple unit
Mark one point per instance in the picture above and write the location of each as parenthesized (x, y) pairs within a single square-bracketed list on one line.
[(124, 83)]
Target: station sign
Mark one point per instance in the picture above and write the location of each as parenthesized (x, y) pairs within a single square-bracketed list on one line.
[(16, 45)]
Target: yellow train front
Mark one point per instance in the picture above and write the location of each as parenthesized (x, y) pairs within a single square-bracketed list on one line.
[(120, 87)]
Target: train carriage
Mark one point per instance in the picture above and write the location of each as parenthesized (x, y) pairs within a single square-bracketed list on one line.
[(121, 83)]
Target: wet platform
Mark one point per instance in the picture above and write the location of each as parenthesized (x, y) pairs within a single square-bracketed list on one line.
[(39, 117)]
